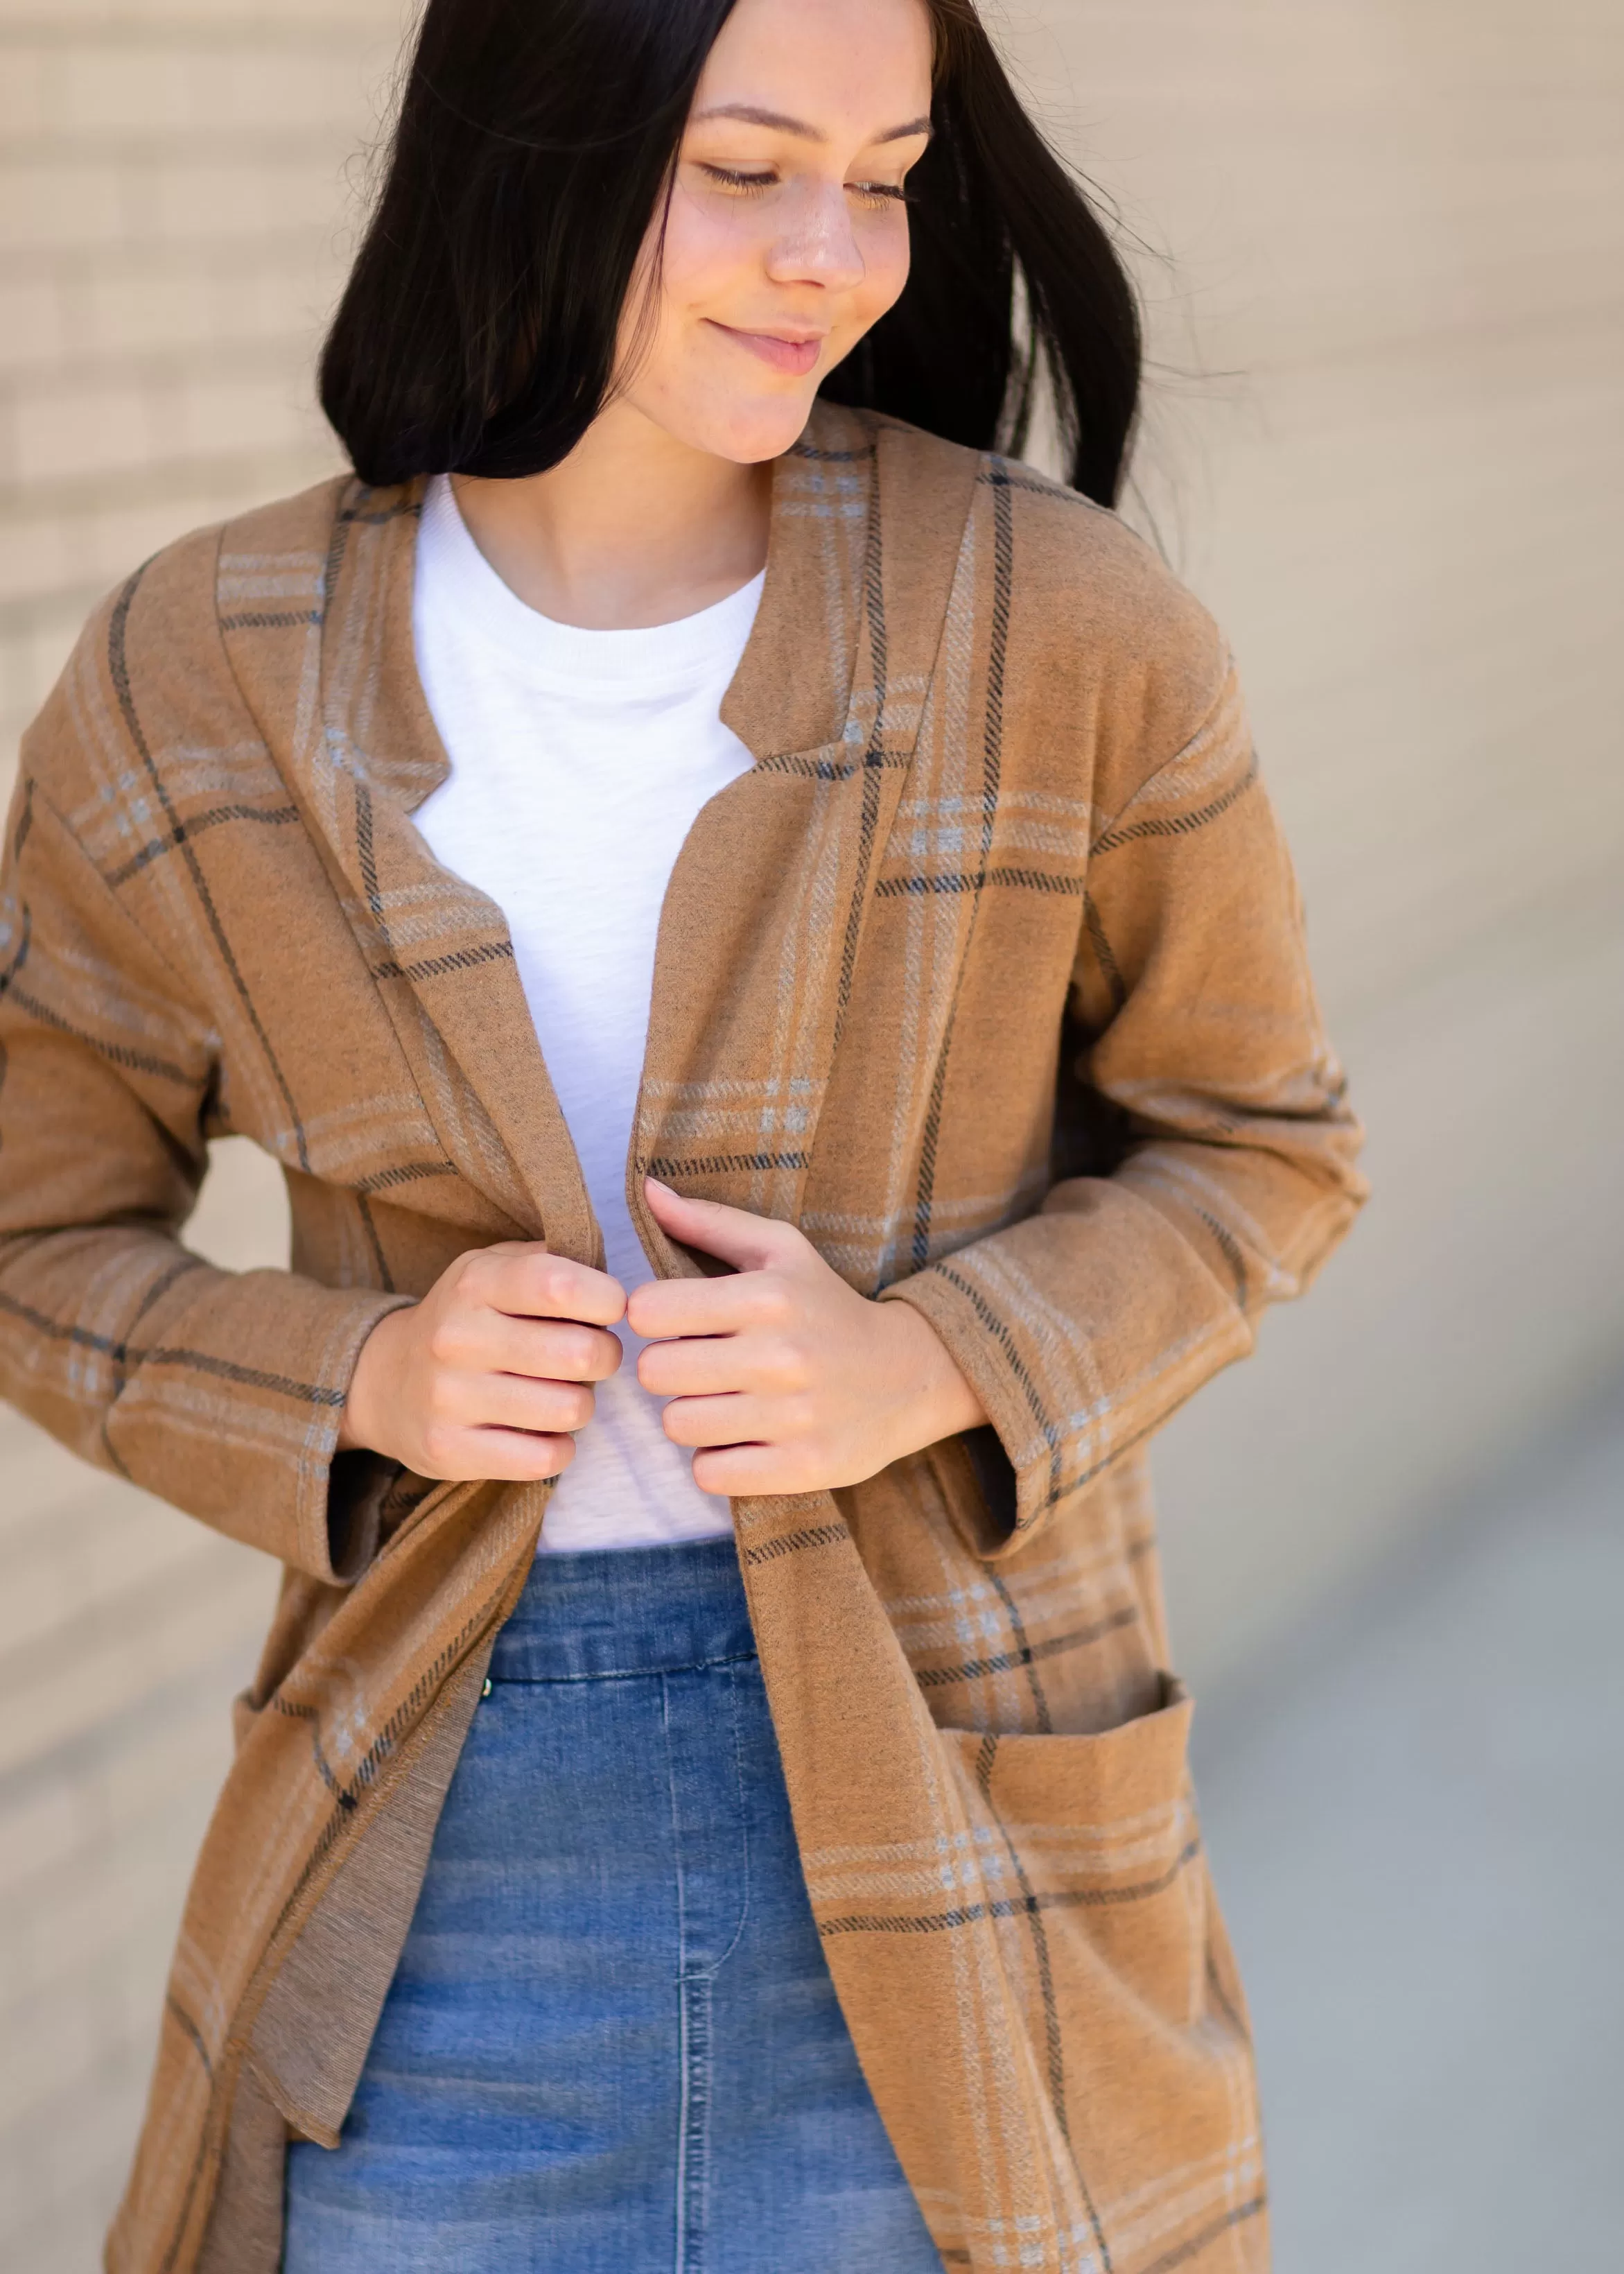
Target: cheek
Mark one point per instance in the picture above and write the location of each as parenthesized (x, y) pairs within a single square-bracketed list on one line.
[(885, 268), (712, 253)]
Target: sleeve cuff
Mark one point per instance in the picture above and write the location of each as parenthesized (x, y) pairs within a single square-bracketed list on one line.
[(359, 1484), (1010, 1454)]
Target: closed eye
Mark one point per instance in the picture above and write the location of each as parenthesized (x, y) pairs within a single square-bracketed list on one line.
[(732, 178), (744, 183)]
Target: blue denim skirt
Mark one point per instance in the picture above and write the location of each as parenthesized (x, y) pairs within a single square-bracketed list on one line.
[(612, 2046)]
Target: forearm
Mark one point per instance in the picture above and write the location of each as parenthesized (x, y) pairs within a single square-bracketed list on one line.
[(218, 1391)]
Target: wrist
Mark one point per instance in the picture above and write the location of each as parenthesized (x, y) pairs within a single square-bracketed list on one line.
[(937, 1398), (361, 1426)]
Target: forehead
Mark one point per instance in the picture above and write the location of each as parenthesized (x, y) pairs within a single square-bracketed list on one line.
[(839, 67)]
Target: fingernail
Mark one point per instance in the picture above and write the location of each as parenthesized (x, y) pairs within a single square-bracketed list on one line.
[(660, 1188)]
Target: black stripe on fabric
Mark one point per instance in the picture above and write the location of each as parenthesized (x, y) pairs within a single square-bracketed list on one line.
[(1177, 825), (128, 1355), (368, 851), (24, 943), (227, 1370), (1010, 1661), (118, 667), (1027, 1656), (250, 1377), (716, 1165), (274, 816), (436, 967), (193, 2033), (358, 515), (1012, 1906), (790, 1543), (1198, 2243), (312, 1714), (825, 769), (1000, 1331), (1230, 1249), (1053, 2048), (277, 619), (1005, 473), (385, 1278), (183, 1267), (406, 1715), (874, 756), (1029, 880), (409, 1172), (338, 542), (116, 1053), (992, 767), (1111, 970), (24, 819)]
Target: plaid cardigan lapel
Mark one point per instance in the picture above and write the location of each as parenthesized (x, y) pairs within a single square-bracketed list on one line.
[(767, 905)]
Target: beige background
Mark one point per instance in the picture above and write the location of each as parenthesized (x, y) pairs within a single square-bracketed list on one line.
[(1381, 240)]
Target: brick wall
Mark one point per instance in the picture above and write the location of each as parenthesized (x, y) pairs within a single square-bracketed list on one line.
[(1384, 441), (1384, 253), (173, 199), (178, 181)]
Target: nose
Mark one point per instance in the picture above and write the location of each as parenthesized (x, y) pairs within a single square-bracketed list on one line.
[(818, 245)]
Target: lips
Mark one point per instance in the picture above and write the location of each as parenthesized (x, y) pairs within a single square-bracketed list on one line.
[(792, 357)]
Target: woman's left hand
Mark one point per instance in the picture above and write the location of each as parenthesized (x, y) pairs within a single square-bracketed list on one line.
[(782, 1377)]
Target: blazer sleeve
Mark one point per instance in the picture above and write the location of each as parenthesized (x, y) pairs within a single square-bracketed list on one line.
[(221, 1391), (1083, 1326)]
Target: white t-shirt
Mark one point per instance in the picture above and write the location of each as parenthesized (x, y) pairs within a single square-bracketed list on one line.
[(579, 760)]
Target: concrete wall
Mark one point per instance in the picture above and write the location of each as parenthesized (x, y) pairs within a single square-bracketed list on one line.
[(1382, 251)]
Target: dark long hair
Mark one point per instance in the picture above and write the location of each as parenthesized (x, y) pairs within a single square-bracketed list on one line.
[(535, 142)]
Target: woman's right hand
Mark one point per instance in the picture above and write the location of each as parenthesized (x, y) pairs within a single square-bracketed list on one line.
[(489, 1374)]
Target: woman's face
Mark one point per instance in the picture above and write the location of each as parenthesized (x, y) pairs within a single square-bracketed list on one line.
[(786, 237)]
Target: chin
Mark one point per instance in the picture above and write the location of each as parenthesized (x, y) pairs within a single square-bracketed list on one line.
[(752, 430)]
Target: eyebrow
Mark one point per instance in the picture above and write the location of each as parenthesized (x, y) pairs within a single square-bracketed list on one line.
[(753, 117)]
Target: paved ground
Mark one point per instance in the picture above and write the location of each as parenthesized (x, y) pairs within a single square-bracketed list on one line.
[(1418, 1830)]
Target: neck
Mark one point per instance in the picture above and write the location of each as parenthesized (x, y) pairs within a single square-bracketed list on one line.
[(634, 528)]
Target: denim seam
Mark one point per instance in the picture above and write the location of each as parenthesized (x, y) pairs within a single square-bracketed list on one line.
[(694, 2139), (744, 1830), (625, 1673)]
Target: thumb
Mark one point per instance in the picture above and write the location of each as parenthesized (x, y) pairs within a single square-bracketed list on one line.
[(749, 1243)]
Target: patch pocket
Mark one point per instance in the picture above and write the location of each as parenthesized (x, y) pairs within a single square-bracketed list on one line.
[(1089, 1857)]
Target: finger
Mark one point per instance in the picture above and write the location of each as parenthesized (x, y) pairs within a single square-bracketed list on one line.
[(512, 1401), (546, 1350), (662, 1307), (749, 1471), (759, 1362), (749, 1243), (531, 1281), (513, 1456), (733, 1418), (470, 1338), (697, 1365)]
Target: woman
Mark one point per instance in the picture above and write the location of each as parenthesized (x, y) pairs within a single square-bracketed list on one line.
[(792, 1864)]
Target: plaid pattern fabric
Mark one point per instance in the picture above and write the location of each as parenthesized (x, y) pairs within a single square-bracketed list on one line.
[(989, 974)]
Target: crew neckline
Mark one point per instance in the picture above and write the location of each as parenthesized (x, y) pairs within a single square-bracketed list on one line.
[(453, 573)]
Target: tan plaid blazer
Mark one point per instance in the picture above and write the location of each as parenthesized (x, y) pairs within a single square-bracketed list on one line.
[(989, 976)]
